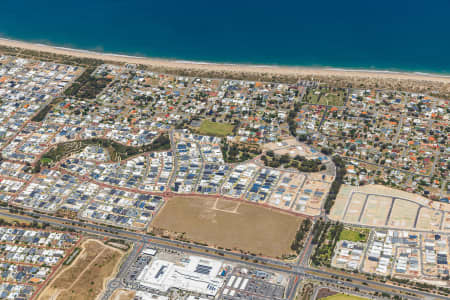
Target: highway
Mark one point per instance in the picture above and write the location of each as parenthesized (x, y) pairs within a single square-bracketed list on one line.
[(274, 265)]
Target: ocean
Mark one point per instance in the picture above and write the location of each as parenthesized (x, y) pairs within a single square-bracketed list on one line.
[(408, 35)]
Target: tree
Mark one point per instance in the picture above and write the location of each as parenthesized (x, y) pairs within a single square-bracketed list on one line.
[(326, 150), (285, 158), (303, 137)]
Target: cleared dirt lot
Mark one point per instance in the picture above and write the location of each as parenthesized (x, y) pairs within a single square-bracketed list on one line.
[(121, 294), (229, 224), (376, 210), (350, 199), (429, 219), (85, 277), (403, 214), (354, 207)]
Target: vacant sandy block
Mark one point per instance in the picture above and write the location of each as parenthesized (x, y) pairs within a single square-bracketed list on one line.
[(369, 266), (68, 274), (446, 222), (122, 294), (354, 207), (429, 219), (376, 210), (312, 211), (291, 151), (86, 276), (399, 218), (338, 209), (319, 176), (388, 191), (301, 150), (247, 226), (403, 214), (289, 142), (92, 281)]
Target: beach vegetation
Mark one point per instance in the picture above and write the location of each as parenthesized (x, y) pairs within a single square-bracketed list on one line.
[(87, 86)]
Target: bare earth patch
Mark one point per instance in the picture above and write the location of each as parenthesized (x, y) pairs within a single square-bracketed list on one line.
[(229, 224), (376, 210), (349, 203), (123, 295), (85, 277), (429, 219), (403, 214), (354, 207)]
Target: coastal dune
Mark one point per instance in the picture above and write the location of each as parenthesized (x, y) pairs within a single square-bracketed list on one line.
[(415, 82)]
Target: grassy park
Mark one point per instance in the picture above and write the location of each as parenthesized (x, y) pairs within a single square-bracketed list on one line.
[(325, 95), (354, 235), (216, 129)]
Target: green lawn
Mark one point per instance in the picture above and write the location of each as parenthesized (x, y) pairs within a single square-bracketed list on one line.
[(46, 160), (327, 97), (332, 99), (343, 297), (215, 129), (355, 235), (311, 97)]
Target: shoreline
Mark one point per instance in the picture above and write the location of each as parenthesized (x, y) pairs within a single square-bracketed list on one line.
[(275, 70)]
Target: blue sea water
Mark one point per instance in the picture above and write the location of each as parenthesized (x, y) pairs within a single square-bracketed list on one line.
[(407, 35)]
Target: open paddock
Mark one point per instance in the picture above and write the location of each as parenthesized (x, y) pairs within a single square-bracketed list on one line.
[(229, 224)]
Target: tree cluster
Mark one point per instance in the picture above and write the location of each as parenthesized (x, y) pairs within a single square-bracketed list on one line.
[(298, 162), (234, 153), (87, 86), (297, 244), (116, 150), (326, 236), (336, 185)]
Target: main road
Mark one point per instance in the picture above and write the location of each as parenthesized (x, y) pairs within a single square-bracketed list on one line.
[(275, 265)]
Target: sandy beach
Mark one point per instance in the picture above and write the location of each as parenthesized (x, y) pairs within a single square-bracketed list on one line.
[(300, 72)]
